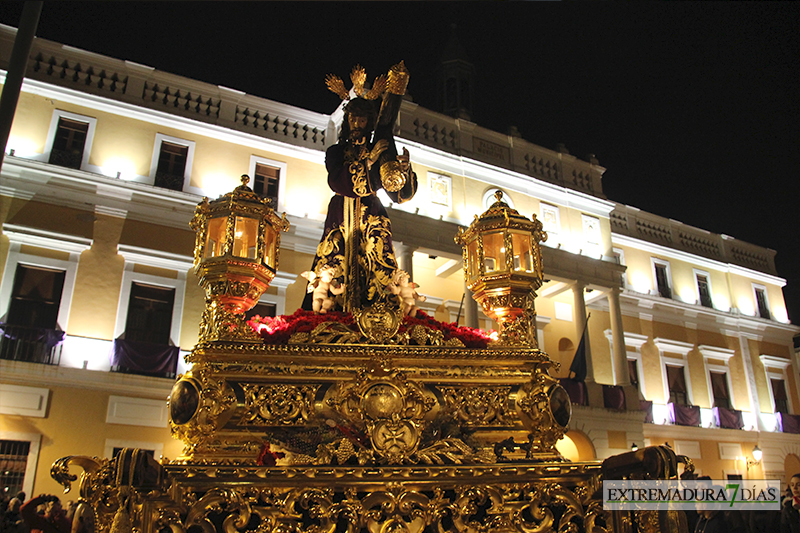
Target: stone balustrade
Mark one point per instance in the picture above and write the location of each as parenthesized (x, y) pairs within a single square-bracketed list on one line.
[(633, 222)]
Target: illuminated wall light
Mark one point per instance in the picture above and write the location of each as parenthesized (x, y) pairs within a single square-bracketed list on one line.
[(707, 418), (571, 245), (21, 147), (93, 352), (640, 282), (770, 422), (688, 295), (721, 302), (749, 421), (661, 414), (117, 167), (215, 185), (779, 314), (746, 306)]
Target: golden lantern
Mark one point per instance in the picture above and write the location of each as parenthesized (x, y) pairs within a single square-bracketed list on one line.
[(503, 269), (235, 256)]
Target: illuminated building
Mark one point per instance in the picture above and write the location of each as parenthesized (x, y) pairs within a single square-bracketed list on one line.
[(107, 160)]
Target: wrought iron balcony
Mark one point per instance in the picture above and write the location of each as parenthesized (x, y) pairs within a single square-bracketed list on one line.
[(32, 345)]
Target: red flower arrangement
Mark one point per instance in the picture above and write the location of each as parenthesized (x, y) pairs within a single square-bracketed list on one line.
[(279, 329)]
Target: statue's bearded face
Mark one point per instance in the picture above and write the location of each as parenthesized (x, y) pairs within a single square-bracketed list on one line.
[(358, 126)]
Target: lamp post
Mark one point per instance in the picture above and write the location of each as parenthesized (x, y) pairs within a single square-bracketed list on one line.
[(235, 256), (503, 269)]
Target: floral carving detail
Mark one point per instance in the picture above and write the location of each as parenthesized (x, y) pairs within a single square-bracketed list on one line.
[(278, 404), (478, 405)]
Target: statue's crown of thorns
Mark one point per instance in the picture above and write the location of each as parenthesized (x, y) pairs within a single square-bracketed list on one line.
[(395, 82)]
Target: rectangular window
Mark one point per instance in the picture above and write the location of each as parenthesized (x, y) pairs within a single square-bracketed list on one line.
[(676, 380), (704, 290), (761, 302), (719, 388), (662, 280), (69, 142), (31, 332), (149, 314), (36, 297), (13, 463), (779, 396), (171, 168), (266, 182)]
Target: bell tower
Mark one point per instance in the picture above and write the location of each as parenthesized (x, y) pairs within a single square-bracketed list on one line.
[(457, 79)]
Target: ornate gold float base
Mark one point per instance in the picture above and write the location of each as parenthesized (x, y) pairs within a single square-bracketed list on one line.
[(134, 493)]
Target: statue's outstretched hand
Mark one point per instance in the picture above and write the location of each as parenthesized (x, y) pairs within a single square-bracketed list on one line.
[(403, 159)]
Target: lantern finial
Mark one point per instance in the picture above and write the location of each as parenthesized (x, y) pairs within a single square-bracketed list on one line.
[(499, 195), (245, 180)]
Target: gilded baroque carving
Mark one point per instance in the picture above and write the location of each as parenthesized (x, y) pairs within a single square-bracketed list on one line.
[(478, 406), (278, 404)]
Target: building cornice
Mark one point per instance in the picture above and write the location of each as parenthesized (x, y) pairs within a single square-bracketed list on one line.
[(699, 261), (45, 239), (670, 311), (39, 375)]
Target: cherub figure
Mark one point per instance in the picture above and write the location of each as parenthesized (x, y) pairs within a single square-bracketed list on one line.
[(323, 288), (402, 286)]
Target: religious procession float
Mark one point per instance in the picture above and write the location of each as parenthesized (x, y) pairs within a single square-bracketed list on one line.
[(356, 414)]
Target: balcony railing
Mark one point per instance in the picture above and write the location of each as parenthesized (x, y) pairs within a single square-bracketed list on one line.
[(31, 345), (169, 181)]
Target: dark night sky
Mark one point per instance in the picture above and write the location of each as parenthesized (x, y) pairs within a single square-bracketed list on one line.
[(693, 108)]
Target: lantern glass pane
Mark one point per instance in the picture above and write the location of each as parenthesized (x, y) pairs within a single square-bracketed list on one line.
[(245, 237), (523, 253), (494, 252), (473, 268), (215, 238), (269, 246)]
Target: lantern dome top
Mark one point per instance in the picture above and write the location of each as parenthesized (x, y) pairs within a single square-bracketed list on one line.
[(501, 215), (242, 193), (499, 208)]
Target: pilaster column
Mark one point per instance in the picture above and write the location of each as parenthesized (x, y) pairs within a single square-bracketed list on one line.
[(749, 372), (470, 308), (579, 312), (619, 354), (405, 258)]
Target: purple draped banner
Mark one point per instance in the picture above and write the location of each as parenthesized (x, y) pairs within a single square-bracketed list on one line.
[(685, 415), (729, 418), (576, 390), (145, 358), (789, 423), (614, 397)]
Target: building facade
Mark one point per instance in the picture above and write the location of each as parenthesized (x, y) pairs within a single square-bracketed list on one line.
[(688, 342)]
